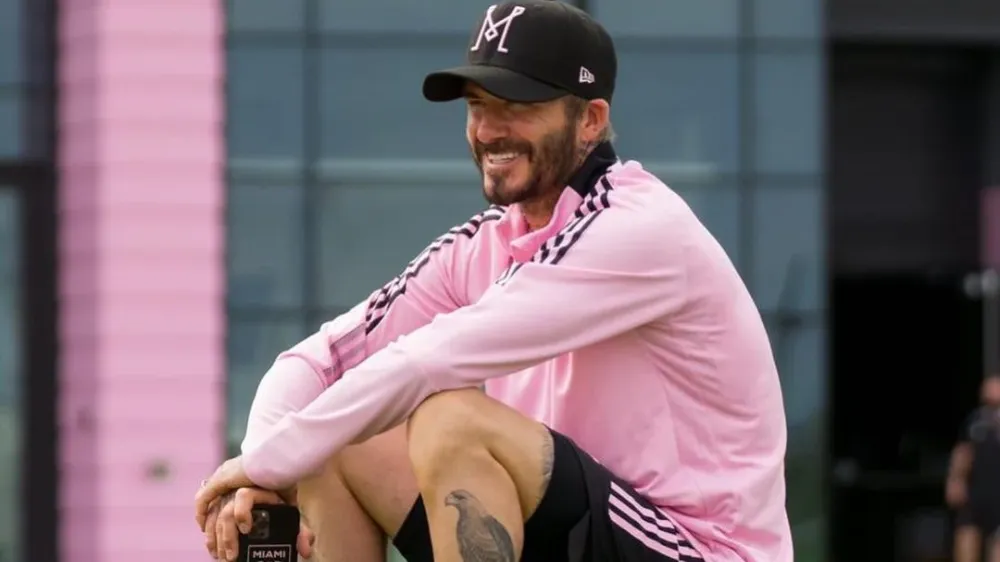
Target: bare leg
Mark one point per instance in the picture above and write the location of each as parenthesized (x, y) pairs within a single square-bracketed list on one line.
[(362, 496), (968, 544), (482, 469)]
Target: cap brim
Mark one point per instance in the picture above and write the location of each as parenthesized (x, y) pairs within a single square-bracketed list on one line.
[(448, 85)]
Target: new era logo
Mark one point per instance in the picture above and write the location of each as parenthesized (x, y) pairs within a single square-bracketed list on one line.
[(586, 76)]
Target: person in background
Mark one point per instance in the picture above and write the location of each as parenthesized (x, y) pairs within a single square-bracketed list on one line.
[(973, 485)]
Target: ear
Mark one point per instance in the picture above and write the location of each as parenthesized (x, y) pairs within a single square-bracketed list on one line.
[(594, 119)]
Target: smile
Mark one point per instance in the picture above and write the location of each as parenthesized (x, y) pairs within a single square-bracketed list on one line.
[(500, 159)]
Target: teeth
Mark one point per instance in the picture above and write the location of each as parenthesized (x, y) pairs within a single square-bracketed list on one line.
[(502, 157)]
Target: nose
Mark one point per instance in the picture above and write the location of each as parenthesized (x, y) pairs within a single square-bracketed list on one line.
[(489, 128)]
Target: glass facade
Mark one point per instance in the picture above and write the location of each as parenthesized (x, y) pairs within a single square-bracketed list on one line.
[(16, 79), (26, 93), (10, 376), (11, 78), (328, 134)]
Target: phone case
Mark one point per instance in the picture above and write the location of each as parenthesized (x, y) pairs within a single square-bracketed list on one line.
[(273, 536)]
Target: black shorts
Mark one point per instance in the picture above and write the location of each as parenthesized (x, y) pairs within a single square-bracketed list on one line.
[(587, 515), (980, 512)]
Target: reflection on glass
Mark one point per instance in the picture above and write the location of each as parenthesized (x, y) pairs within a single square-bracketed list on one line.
[(11, 118), (800, 352), (665, 18), (11, 35), (409, 217), (384, 115), (788, 117), (679, 108), (264, 226), (264, 15), (264, 101), (441, 16), (799, 19), (10, 377), (789, 250)]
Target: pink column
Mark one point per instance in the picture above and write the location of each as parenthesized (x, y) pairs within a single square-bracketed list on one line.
[(142, 274), (991, 227)]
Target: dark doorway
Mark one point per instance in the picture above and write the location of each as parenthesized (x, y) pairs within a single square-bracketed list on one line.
[(906, 166), (28, 344), (906, 368), (907, 157)]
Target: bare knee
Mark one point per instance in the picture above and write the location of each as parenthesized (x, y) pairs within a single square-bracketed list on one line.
[(322, 489), (456, 429), (445, 425), (374, 477)]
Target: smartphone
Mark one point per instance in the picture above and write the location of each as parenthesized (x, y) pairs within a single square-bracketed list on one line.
[(273, 535)]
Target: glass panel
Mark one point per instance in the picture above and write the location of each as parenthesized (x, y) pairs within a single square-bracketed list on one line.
[(10, 378), (368, 233), (681, 108), (718, 208), (788, 116), (11, 33), (264, 100), (265, 245), (410, 17), (788, 18), (801, 355), (265, 15), (789, 255), (385, 114), (253, 346), (669, 18), (11, 119)]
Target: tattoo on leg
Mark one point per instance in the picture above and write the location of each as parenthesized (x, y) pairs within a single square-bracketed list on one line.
[(481, 538)]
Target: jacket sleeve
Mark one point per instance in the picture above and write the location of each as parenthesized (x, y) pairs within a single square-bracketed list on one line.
[(606, 274), (425, 289)]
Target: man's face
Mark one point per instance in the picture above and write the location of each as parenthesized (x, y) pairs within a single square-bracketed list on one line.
[(524, 151)]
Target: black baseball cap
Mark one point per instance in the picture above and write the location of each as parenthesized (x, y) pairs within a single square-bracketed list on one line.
[(533, 51)]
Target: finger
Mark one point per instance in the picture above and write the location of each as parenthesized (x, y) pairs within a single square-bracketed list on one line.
[(218, 485), (209, 530), (305, 541), (202, 502), (227, 537), (246, 498), (202, 507)]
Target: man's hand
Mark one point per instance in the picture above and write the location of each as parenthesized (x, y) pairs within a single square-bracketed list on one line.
[(230, 515), (227, 478)]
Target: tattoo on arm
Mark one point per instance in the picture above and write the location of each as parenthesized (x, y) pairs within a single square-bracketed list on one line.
[(481, 538)]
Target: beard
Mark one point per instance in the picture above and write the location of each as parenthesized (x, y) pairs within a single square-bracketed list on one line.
[(551, 163)]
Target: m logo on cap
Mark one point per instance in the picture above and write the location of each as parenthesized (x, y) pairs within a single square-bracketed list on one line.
[(491, 29)]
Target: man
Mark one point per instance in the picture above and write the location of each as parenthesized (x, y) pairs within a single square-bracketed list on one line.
[(632, 408), (973, 486)]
